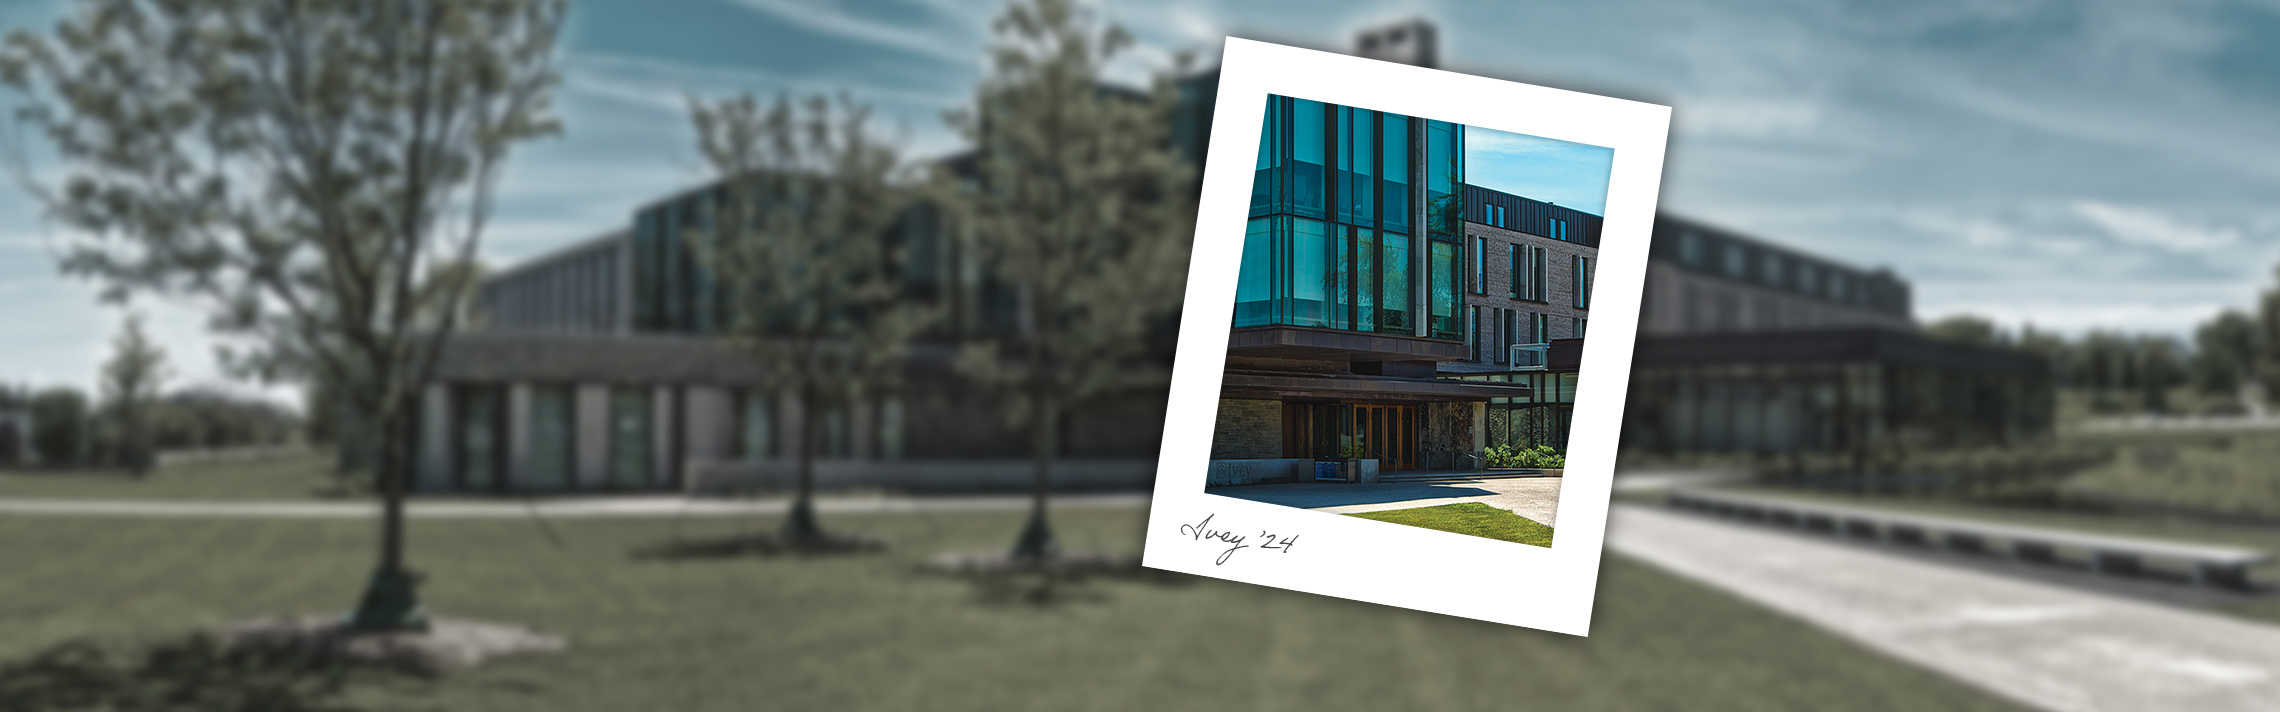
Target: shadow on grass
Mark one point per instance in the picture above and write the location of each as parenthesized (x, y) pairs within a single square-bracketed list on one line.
[(197, 672), (758, 544), (1000, 580)]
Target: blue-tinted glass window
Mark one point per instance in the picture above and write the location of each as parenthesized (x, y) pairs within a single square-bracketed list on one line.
[(1254, 292), (1307, 163), (1443, 267), (1357, 156), (1270, 158), (1395, 148), (1393, 306), (1444, 172), (1364, 279), (1311, 280)]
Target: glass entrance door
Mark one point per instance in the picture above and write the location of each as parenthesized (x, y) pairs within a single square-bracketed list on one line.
[(1388, 433)]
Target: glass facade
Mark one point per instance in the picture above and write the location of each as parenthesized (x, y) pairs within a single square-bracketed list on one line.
[(553, 425), (1331, 241), (630, 415)]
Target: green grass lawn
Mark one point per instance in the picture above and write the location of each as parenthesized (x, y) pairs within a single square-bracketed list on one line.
[(304, 475), (2215, 471), (870, 632), (1471, 518)]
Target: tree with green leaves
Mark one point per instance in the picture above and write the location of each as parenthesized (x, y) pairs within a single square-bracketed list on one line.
[(2225, 350), (130, 383), (59, 426), (798, 241), (2267, 367), (301, 167), (1967, 329), (1079, 202)]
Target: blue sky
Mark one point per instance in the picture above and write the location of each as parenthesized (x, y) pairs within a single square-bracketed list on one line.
[(1562, 172), (2070, 163)]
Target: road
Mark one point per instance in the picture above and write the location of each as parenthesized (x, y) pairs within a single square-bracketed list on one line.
[(2033, 642)]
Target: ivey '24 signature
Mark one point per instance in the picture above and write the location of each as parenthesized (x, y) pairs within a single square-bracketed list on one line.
[(1203, 531)]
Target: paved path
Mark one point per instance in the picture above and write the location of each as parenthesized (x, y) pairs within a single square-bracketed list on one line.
[(1536, 498), (639, 506), (2036, 643)]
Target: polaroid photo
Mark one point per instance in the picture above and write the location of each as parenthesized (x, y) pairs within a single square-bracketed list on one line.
[(1384, 389)]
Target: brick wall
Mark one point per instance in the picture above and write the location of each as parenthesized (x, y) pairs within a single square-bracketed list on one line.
[(1247, 429), (1558, 305)]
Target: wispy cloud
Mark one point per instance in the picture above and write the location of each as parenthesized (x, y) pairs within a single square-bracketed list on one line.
[(833, 19), (2151, 228)]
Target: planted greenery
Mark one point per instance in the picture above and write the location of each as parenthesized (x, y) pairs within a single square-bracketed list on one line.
[(1471, 519), (1540, 457)]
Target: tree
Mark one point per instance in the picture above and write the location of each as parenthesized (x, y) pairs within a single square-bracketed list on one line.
[(130, 381), (2225, 350), (1967, 329), (300, 167), (1078, 201), (2268, 334), (2157, 366), (798, 242), (59, 426)]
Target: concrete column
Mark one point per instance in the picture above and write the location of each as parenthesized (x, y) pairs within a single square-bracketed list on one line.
[(662, 424), (710, 431), (433, 464), (518, 475), (593, 428)]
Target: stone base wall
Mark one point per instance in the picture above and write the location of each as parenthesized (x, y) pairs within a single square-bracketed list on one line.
[(1247, 429)]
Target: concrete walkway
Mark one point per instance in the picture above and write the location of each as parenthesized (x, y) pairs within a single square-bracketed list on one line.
[(1536, 498), (2039, 644), (633, 506)]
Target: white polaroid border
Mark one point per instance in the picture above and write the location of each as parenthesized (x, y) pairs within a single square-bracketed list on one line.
[(1349, 557)]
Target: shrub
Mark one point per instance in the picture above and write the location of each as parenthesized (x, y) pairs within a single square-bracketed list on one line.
[(1540, 456)]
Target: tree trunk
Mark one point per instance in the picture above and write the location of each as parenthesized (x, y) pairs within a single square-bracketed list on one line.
[(390, 599), (799, 523), (1036, 542)]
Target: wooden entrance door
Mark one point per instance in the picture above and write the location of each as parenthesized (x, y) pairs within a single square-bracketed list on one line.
[(1388, 433)]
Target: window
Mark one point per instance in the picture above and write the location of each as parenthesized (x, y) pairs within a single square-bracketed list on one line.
[(1394, 145), (1473, 315), (1771, 266), (1578, 325), (1736, 260), (1504, 354), (755, 436), (1517, 286), (1558, 229), (630, 439), (1480, 266), (1539, 329), (1582, 282), (1307, 143), (1536, 280), (1442, 276), (1253, 286), (1393, 275), (1690, 249)]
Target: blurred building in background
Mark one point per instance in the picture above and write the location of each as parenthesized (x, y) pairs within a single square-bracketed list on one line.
[(597, 367), (602, 367), (1749, 347)]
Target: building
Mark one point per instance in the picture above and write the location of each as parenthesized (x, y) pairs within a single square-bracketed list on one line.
[(1351, 295), (599, 368), (1749, 347)]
